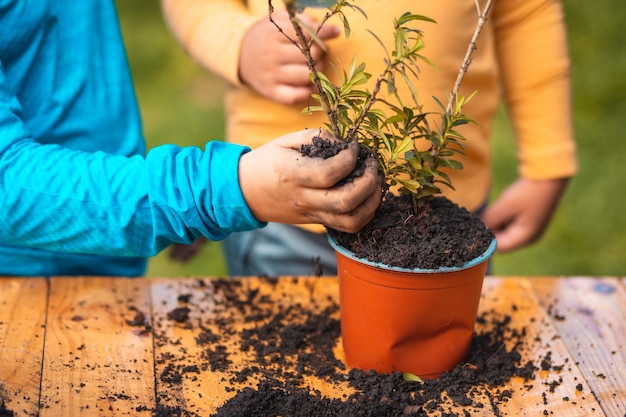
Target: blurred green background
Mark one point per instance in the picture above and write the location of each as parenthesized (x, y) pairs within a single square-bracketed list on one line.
[(182, 104)]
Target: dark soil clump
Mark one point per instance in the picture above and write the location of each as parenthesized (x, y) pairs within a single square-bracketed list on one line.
[(5, 412), (322, 148)]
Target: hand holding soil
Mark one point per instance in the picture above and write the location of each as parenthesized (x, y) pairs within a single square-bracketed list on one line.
[(281, 185)]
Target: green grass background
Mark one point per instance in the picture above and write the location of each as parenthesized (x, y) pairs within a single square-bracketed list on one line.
[(182, 104)]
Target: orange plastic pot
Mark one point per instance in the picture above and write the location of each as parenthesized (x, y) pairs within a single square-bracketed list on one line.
[(396, 319)]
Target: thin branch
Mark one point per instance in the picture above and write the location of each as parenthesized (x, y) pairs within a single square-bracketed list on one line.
[(373, 98), (482, 19), (305, 48)]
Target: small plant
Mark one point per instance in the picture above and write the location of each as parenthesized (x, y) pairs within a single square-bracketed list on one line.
[(388, 128)]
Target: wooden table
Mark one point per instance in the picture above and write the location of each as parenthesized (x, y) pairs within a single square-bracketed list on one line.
[(157, 346)]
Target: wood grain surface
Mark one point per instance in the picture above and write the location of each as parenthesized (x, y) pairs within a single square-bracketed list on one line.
[(99, 346)]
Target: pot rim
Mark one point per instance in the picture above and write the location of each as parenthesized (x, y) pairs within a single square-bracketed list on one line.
[(444, 269)]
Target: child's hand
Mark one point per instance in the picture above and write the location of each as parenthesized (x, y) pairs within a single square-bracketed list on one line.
[(281, 185), (273, 66), (522, 212)]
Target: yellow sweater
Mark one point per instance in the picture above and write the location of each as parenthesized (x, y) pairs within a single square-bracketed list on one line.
[(522, 58)]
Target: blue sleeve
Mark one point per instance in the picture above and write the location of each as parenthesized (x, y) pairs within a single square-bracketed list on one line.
[(65, 200)]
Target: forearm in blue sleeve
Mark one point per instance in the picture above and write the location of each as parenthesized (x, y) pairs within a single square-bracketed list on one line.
[(62, 200)]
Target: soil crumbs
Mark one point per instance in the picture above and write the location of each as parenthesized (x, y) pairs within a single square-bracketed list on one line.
[(291, 348), (4, 411)]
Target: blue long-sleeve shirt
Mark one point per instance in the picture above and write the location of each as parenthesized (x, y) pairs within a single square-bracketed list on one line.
[(77, 194)]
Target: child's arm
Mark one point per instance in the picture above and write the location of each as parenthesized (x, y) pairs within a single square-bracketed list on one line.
[(534, 63)]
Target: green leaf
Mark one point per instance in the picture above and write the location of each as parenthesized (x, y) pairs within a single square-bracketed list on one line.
[(454, 164), (427, 192), (316, 4), (439, 103), (379, 41), (407, 17), (411, 185), (428, 61), (415, 164), (412, 377), (346, 25), (404, 146), (311, 109)]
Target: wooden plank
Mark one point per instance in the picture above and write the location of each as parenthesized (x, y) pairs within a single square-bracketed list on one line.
[(590, 314), (98, 358), (22, 327), (198, 356), (559, 390)]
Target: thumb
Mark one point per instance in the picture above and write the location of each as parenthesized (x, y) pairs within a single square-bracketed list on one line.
[(500, 213), (493, 218)]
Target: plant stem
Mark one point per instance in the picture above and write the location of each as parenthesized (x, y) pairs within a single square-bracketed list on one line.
[(305, 48), (482, 19)]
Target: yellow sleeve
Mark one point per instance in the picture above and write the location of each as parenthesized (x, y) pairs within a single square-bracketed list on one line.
[(531, 45), (210, 31)]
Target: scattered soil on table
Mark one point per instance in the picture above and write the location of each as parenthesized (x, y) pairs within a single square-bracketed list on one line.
[(291, 343), (4, 411), (471, 384)]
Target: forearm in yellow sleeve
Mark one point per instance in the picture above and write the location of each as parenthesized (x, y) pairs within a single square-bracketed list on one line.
[(210, 31), (533, 58)]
